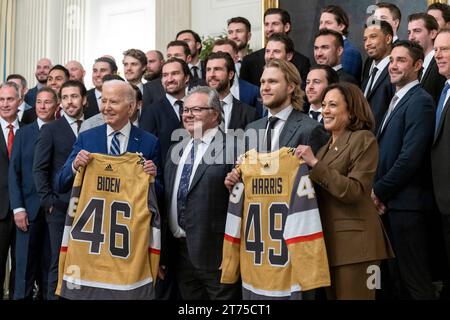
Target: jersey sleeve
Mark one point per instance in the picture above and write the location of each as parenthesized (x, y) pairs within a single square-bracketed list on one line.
[(303, 235), (232, 239), (155, 231)]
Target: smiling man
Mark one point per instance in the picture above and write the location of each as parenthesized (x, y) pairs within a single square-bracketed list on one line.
[(43, 66), (402, 187), (134, 67)]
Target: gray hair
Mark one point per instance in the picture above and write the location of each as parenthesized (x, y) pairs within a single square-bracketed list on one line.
[(129, 94), (10, 84), (213, 99)]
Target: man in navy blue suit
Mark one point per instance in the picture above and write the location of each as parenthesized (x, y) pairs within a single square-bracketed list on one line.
[(32, 243), (402, 190), (242, 90), (118, 100)]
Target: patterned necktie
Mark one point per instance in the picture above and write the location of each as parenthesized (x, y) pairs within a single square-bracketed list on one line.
[(180, 105), (115, 144), (10, 139), (440, 106), (389, 111), (272, 122), (183, 188), (315, 114), (222, 124)]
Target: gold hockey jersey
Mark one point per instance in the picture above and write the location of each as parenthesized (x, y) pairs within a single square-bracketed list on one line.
[(273, 236), (111, 243)]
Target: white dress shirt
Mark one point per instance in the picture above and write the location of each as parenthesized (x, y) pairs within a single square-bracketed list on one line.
[(5, 128), (206, 140), (381, 66), (175, 107), (427, 61), (319, 118), (123, 137), (20, 111), (98, 96), (73, 123), (199, 68), (235, 88), (227, 109), (279, 125)]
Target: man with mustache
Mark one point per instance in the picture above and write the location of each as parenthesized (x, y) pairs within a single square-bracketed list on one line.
[(43, 67)]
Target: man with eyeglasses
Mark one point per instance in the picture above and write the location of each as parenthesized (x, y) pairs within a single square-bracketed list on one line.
[(197, 199)]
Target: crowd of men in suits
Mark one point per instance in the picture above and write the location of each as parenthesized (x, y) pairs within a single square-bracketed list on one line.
[(41, 125)]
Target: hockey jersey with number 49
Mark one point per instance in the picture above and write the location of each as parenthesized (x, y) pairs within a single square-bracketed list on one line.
[(111, 243), (273, 236)]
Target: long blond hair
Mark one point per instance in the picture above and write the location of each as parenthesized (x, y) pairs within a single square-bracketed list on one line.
[(293, 78)]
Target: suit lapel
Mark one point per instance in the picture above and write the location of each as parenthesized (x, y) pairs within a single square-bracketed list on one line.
[(398, 107), (236, 111), (169, 112), (213, 147), (3, 147), (429, 70), (336, 150), (135, 140), (441, 122), (380, 80), (291, 126)]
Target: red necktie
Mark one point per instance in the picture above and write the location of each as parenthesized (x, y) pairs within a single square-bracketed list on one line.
[(58, 113), (10, 139)]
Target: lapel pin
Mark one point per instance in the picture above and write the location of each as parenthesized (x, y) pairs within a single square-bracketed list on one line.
[(335, 148)]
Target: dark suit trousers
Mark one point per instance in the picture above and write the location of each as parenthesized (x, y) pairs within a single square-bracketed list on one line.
[(196, 284), (55, 230), (446, 230), (32, 259), (7, 235), (409, 272)]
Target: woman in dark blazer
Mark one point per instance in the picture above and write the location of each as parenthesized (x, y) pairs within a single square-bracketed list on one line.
[(343, 172)]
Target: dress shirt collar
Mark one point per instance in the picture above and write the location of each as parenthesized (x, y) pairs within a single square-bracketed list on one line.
[(71, 120), (126, 130), (5, 124), (337, 67), (208, 136), (98, 94), (380, 65), (40, 123), (283, 114), (403, 91), (172, 99), (228, 99), (427, 61)]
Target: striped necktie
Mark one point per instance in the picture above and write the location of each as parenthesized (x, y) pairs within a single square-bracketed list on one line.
[(115, 144)]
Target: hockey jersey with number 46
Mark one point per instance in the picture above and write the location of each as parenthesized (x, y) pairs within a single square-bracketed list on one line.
[(273, 236), (111, 243)]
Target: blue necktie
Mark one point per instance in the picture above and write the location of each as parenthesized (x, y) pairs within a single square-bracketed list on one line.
[(115, 144), (440, 106), (184, 184)]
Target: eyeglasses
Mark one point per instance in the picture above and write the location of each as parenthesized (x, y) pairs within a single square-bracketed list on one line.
[(195, 110)]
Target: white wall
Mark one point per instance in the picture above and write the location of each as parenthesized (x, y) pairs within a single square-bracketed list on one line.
[(210, 17), (114, 26)]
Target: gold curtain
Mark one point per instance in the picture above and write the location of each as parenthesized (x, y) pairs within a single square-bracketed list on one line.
[(7, 29)]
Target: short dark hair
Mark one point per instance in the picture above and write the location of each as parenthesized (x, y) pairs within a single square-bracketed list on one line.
[(283, 38), (285, 16), (226, 41), (194, 34), (109, 77), (179, 43), (62, 68), (76, 84), (242, 20), (22, 79), (49, 90), (137, 54), (111, 62), (229, 62), (443, 8), (385, 27), (327, 32), (414, 49), (393, 9), (361, 116), (331, 74), (428, 20), (339, 14), (184, 65)]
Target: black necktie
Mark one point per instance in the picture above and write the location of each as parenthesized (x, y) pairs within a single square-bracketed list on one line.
[(371, 80), (79, 122), (272, 122), (315, 114), (180, 105), (194, 71)]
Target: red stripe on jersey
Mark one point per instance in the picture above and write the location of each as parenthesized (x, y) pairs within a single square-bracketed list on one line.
[(63, 250), (232, 239), (307, 238), (154, 251)]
